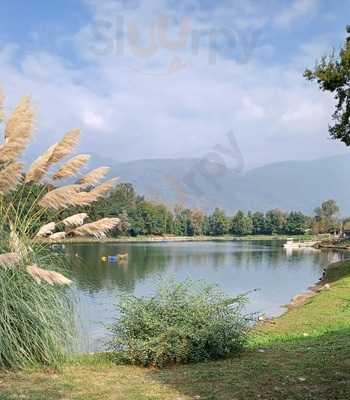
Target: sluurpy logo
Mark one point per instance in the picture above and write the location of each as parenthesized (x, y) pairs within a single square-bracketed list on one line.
[(167, 45)]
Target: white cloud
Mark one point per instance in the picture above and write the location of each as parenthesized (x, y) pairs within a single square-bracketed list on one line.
[(126, 114), (298, 9)]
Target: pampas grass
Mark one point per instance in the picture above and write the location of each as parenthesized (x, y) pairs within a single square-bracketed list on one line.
[(104, 188), (71, 167), (20, 124), (18, 130), (60, 197), (10, 177), (53, 154), (87, 198), (65, 146), (40, 166), (46, 229), (36, 313), (97, 229), (9, 260), (57, 236), (2, 100), (50, 277), (75, 220), (94, 176)]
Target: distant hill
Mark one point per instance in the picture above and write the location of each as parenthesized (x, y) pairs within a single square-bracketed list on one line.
[(290, 185)]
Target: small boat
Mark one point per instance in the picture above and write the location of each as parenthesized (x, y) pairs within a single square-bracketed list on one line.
[(123, 256), (115, 259), (298, 245)]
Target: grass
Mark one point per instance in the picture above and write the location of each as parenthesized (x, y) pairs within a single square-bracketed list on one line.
[(305, 354)]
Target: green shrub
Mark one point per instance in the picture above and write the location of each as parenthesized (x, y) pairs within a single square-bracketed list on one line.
[(182, 323)]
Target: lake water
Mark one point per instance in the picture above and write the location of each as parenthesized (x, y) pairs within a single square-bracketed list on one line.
[(237, 267)]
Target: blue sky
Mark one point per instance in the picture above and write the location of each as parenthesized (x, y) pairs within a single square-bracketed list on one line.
[(121, 71)]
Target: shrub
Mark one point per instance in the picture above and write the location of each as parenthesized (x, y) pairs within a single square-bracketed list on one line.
[(182, 323)]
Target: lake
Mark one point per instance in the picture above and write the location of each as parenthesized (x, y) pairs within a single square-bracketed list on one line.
[(236, 266)]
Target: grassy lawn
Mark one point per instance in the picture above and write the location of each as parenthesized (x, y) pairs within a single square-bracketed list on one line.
[(304, 355)]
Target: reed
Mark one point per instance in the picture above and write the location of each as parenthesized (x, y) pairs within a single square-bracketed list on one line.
[(36, 319), (71, 167), (60, 197), (75, 220), (46, 229), (40, 166), (94, 176), (2, 101), (98, 229), (10, 176)]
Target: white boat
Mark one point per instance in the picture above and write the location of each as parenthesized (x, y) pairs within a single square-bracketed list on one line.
[(298, 245)]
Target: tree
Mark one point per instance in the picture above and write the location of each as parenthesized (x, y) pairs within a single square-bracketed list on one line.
[(181, 220), (325, 220), (124, 224), (296, 223), (328, 209), (219, 224), (242, 224), (258, 220), (332, 74), (275, 221), (196, 220)]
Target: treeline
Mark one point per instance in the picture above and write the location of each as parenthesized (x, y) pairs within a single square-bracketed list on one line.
[(139, 216)]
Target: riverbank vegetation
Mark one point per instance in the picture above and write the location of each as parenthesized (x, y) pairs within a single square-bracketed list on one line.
[(302, 355), (140, 217)]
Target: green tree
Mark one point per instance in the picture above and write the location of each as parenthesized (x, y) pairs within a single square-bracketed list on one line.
[(219, 224), (332, 74), (124, 225), (258, 219), (181, 221), (296, 223), (242, 224), (275, 222)]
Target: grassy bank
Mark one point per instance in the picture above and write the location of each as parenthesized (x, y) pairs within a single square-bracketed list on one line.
[(170, 238), (305, 354)]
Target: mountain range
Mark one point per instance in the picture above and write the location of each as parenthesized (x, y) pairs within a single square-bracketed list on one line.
[(289, 185)]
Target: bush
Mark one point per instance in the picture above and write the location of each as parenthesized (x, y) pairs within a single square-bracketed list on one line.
[(182, 323)]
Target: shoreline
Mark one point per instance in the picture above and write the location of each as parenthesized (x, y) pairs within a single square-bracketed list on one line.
[(168, 239), (298, 301)]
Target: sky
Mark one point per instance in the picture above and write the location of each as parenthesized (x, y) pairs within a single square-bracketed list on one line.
[(173, 79)]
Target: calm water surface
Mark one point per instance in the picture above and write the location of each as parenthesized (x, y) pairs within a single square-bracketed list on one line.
[(237, 267)]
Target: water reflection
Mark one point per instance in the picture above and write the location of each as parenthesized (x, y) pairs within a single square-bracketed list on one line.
[(235, 266)]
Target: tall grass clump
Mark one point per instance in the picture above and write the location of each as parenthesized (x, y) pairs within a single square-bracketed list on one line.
[(36, 312), (36, 324), (181, 323)]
